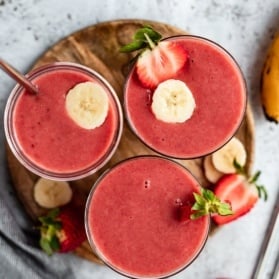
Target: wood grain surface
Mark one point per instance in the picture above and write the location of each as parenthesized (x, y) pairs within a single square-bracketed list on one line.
[(97, 47)]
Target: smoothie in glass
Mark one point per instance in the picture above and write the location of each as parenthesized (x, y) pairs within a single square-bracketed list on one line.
[(219, 91), (43, 136), (132, 218)]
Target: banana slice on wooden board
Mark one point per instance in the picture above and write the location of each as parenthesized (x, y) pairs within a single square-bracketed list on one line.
[(222, 161), (51, 194), (210, 172)]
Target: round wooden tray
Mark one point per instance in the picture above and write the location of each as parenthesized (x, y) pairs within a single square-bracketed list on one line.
[(98, 48)]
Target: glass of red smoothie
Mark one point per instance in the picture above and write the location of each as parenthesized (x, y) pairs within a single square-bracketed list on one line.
[(132, 218), (219, 90), (45, 139)]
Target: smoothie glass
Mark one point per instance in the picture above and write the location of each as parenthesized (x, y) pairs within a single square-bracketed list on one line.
[(218, 87), (43, 137), (132, 218)]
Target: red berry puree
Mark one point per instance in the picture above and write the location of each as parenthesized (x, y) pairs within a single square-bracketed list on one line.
[(133, 218), (218, 88), (48, 136)]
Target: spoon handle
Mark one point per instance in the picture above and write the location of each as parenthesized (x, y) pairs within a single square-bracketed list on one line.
[(270, 247), (18, 77)]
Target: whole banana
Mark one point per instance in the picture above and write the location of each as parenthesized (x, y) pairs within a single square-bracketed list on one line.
[(270, 82)]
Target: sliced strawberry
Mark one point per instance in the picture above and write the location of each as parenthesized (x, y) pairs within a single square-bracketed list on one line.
[(160, 63), (235, 189)]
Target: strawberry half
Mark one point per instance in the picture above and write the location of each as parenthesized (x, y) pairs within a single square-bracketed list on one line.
[(235, 189), (158, 60), (62, 230), (234, 195), (160, 63)]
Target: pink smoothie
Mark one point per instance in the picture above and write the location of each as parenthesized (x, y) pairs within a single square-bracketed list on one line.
[(219, 91), (133, 218), (48, 137)]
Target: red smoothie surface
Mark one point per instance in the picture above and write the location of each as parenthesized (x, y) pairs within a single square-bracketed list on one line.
[(219, 91), (48, 136), (133, 218)]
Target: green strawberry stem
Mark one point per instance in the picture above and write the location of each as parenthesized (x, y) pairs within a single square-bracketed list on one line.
[(49, 240), (208, 203), (150, 42), (252, 180)]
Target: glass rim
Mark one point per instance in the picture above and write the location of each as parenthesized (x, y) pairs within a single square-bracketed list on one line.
[(237, 126), (88, 231), (32, 166)]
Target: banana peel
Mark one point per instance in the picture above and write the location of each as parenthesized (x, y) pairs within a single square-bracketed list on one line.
[(270, 82)]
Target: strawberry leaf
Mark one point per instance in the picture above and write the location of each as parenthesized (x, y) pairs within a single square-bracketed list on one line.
[(224, 209), (200, 200), (208, 195), (147, 30), (45, 245), (239, 169), (49, 241), (50, 244), (54, 243), (255, 177), (207, 203), (198, 214), (144, 37), (47, 221), (197, 206), (50, 217), (262, 192), (133, 46)]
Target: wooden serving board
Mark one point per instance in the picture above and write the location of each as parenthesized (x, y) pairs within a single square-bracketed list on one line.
[(98, 48)]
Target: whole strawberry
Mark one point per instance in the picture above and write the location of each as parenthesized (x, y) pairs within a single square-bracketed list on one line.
[(62, 230)]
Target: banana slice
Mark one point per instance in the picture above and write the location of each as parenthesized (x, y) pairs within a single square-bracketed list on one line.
[(52, 194), (173, 102), (210, 172), (87, 104), (223, 158)]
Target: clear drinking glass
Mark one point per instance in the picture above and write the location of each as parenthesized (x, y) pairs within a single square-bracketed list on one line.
[(119, 193), (219, 89), (33, 163)]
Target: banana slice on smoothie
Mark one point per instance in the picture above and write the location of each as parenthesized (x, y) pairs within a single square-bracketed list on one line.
[(51, 194), (173, 102), (223, 159), (210, 172), (87, 104)]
